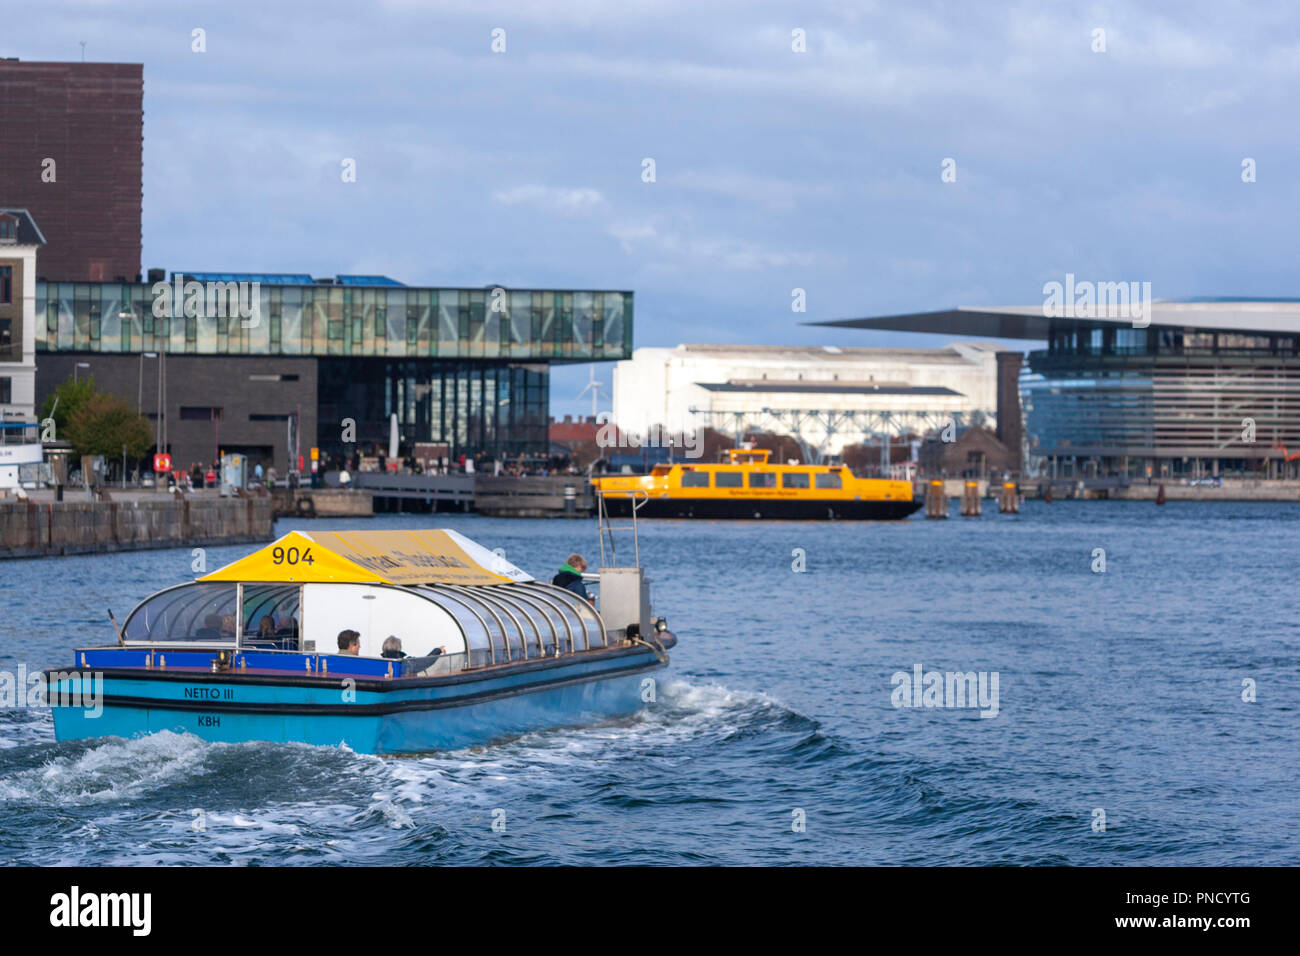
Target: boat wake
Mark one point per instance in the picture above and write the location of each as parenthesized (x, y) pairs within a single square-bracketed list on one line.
[(104, 771), (169, 798)]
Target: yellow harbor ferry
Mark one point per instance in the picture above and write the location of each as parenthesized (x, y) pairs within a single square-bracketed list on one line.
[(748, 485)]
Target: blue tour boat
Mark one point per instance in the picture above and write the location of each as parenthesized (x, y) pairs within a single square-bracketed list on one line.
[(251, 652)]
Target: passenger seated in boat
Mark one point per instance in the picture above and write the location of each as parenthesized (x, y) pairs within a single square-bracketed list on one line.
[(570, 576), (287, 633), (265, 636), (211, 629), (349, 643), (393, 649)]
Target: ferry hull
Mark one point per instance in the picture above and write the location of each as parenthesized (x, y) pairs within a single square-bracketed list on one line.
[(765, 508), (425, 715)]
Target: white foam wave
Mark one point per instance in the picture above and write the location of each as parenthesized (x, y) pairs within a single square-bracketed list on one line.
[(476, 781), (108, 772)]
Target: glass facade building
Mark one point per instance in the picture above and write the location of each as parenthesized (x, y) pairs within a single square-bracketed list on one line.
[(340, 320), (1164, 402), (1189, 388), (497, 407), (464, 367)]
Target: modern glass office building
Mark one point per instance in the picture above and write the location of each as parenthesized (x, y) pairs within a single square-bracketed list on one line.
[(468, 367), (1193, 388)]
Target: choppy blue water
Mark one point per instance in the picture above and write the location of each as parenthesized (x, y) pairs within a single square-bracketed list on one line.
[(1119, 691)]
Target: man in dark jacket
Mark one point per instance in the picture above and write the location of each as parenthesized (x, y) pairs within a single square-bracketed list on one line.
[(570, 576)]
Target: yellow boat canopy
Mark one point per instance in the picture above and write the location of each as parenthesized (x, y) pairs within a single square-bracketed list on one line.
[(434, 556)]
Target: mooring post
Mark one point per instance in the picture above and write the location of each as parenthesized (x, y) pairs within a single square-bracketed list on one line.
[(1009, 501), (936, 500), (970, 500)]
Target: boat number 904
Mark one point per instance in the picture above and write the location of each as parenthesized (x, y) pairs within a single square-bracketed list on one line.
[(291, 556)]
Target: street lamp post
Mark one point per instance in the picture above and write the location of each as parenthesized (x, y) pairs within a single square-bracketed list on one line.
[(139, 396), (161, 431), (79, 365)]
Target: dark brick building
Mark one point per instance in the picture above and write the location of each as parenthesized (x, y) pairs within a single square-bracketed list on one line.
[(71, 156), (211, 404)]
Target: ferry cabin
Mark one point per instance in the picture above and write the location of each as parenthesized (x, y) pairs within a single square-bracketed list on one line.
[(748, 485)]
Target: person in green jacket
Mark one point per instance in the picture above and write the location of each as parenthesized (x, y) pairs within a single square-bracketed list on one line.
[(570, 576)]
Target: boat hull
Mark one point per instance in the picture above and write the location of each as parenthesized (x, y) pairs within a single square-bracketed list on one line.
[(802, 509), (366, 716)]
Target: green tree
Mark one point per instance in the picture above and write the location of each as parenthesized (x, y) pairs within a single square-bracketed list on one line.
[(71, 396), (102, 424)]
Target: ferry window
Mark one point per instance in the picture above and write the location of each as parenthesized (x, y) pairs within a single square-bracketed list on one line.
[(695, 479), (572, 632), (191, 612), (484, 648), (794, 479), (519, 627), (501, 645), (762, 479), (544, 628), (728, 479), (279, 604), (830, 479), (588, 628)]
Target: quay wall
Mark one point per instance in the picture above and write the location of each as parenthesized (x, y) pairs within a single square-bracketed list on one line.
[(46, 528), (1228, 491), (323, 503)]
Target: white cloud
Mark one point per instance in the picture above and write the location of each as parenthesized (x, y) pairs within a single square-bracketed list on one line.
[(554, 199)]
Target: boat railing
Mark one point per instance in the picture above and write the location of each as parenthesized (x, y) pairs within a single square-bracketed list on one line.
[(432, 666), (605, 528)]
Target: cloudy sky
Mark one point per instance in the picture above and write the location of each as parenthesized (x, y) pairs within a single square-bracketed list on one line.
[(775, 169)]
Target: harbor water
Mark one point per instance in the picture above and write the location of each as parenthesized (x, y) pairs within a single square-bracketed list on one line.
[(1146, 662)]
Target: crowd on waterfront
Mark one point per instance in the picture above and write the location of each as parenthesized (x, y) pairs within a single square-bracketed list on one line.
[(524, 466)]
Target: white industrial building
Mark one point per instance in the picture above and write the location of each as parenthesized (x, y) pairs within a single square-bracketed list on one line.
[(19, 241), (824, 396)]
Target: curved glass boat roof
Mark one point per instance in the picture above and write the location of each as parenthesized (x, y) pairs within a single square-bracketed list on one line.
[(500, 623), (502, 612)]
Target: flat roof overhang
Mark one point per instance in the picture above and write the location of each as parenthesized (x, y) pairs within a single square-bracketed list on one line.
[(1030, 321)]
